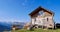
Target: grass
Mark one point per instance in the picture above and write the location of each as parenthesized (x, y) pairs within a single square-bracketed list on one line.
[(37, 30)]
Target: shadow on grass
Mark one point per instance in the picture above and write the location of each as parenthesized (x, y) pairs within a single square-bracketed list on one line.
[(32, 30)]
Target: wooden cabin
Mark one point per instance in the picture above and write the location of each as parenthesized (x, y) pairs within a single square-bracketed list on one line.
[(57, 25), (42, 18)]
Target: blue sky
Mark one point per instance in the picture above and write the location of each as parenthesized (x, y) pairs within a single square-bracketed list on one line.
[(18, 10)]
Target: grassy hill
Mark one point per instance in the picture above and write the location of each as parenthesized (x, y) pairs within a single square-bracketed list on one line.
[(38, 30)]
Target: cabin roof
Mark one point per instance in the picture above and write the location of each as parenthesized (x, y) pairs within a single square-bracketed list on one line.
[(39, 9)]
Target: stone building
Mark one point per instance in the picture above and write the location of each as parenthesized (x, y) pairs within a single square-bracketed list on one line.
[(42, 18)]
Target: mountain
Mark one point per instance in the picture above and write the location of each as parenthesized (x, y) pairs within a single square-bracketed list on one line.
[(7, 25), (19, 24)]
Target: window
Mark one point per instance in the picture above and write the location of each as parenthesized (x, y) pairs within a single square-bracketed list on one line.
[(41, 12), (35, 19), (47, 19)]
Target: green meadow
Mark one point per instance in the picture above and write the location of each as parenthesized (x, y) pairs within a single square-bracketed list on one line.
[(37, 30)]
